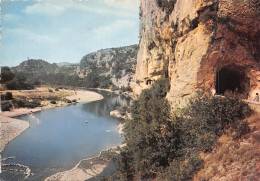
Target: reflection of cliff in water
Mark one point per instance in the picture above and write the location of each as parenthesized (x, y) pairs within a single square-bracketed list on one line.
[(103, 107)]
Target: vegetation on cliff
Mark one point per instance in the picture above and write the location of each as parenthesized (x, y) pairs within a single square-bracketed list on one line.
[(167, 146)]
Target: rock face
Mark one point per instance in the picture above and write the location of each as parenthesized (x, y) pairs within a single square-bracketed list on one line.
[(119, 63), (206, 45)]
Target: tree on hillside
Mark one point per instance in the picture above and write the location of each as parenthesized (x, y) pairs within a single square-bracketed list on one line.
[(6, 75)]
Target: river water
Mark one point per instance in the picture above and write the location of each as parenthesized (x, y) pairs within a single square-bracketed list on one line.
[(59, 138)]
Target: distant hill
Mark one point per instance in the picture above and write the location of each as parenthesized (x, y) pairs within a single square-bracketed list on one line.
[(119, 63), (66, 64), (34, 65), (39, 66), (112, 65)]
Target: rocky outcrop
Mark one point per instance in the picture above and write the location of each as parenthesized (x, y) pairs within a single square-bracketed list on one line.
[(206, 45), (119, 63)]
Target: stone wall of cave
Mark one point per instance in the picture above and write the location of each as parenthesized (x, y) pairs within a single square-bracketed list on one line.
[(232, 79)]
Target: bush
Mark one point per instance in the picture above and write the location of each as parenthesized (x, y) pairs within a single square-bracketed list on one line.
[(57, 89), (184, 169), (53, 102), (166, 145), (6, 106), (207, 14), (68, 101), (114, 88), (50, 90), (74, 100), (7, 96), (19, 103), (6, 75), (125, 89), (123, 109)]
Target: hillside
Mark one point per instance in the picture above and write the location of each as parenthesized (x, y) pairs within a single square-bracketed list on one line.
[(104, 68), (119, 63), (38, 66)]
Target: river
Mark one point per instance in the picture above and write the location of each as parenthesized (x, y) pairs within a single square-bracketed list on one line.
[(59, 138)]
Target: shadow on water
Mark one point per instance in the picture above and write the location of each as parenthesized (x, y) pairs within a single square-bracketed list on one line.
[(109, 103), (58, 138)]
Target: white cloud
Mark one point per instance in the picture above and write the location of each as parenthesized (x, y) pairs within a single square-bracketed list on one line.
[(45, 8), (10, 18), (29, 35), (59, 7)]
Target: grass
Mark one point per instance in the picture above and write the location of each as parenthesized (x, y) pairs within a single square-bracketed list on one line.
[(237, 158)]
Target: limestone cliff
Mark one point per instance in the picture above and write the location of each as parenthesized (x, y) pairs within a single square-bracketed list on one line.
[(119, 63), (208, 45)]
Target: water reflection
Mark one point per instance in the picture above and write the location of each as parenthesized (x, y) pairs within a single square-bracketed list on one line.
[(58, 138), (109, 103)]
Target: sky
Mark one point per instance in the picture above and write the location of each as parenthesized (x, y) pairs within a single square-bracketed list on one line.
[(65, 30)]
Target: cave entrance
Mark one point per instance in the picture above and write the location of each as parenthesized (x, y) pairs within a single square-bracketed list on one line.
[(229, 79), (148, 82)]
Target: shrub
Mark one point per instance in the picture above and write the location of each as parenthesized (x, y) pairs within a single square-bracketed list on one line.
[(207, 14), (128, 88), (148, 136), (25, 103), (57, 89), (114, 88), (50, 90), (68, 101), (184, 169), (162, 144), (6, 106), (32, 104), (53, 102), (74, 100), (123, 109), (6, 75), (19, 103), (7, 96)]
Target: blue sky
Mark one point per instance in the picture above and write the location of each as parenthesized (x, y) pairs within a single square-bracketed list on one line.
[(65, 30)]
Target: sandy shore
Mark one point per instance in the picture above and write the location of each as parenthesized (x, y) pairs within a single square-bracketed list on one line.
[(87, 168), (11, 128)]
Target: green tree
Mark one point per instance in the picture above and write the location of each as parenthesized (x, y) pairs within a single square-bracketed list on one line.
[(6, 74)]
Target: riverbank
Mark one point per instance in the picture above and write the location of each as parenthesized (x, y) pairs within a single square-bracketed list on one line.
[(11, 128), (88, 168)]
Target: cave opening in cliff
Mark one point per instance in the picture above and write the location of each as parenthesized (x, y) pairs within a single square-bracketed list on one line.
[(230, 79)]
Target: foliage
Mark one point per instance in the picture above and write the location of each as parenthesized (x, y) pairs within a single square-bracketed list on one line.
[(7, 96), (217, 114), (93, 80), (114, 88), (182, 170), (166, 5), (68, 101), (6, 106), (148, 138), (209, 13), (24, 103), (6, 75), (161, 144), (53, 102), (19, 83), (123, 109), (125, 89)]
